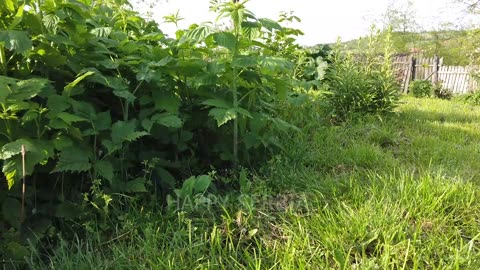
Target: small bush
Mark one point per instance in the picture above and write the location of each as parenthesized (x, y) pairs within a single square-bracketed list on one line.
[(422, 88), (362, 84), (441, 92), (473, 98)]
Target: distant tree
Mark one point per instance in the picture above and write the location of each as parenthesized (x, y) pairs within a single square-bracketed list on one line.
[(400, 15), (473, 6)]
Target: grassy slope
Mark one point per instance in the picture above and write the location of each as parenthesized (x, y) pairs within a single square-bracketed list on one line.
[(397, 193)]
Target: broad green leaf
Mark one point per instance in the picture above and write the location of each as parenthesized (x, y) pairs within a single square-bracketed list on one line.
[(33, 21), (125, 131), (201, 184), (103, 121), (9, 5), (146, 73), (83, 109), (57, 103), (147, 124), (135, 186), (243, 61), (187, 187), (101, 31), (190, 67), (70, 118), (226, 39), (222, 116), (218, 103), (15, 148), (10, 176), (164, 61), (251, 30), (198, 34), (104, 169), (61, 142), (37, 151), (30, 115), (284, 126), (166, 101), (57, 123), (17, 41), (50, 21), (275, 64), (166, 178), (18, 17), (73, 159), (243, 112), (282, 87), (110, 146), (6, 84), (28, 89), (44, 52), (79, 78), (270, 24), (124, 94), (251, 25), (168, 120)]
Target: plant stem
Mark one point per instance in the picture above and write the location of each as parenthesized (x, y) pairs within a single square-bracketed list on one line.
[(3, 60), (235, 121), (22, 214), (235, 96)]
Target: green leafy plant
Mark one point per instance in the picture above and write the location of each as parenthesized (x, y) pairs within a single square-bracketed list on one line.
[(94, 92), (362, 84), (421, 88)]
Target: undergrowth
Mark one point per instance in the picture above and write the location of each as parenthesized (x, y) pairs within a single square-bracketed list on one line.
[(374, 193)]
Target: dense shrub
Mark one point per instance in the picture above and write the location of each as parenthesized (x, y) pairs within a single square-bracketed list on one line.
[(109, 108), (421, 88)]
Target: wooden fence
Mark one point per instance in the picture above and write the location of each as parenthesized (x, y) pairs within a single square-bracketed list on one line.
[(457, 79)]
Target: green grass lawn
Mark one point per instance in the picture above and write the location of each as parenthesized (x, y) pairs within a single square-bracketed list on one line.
[(401, 192)]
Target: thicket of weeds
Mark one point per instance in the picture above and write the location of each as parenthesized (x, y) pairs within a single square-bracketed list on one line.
[(395, 193)]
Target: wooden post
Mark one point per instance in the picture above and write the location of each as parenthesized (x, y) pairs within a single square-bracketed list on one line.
[(410, 74), (435, 69)]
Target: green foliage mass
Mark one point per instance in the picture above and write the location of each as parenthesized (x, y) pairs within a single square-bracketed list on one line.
[(421, 88), (108, 106), (113, 114)]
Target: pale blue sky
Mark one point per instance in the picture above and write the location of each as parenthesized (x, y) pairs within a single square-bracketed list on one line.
[(322, 21)]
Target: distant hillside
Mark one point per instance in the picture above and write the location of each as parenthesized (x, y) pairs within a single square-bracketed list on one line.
[(447, 44)]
